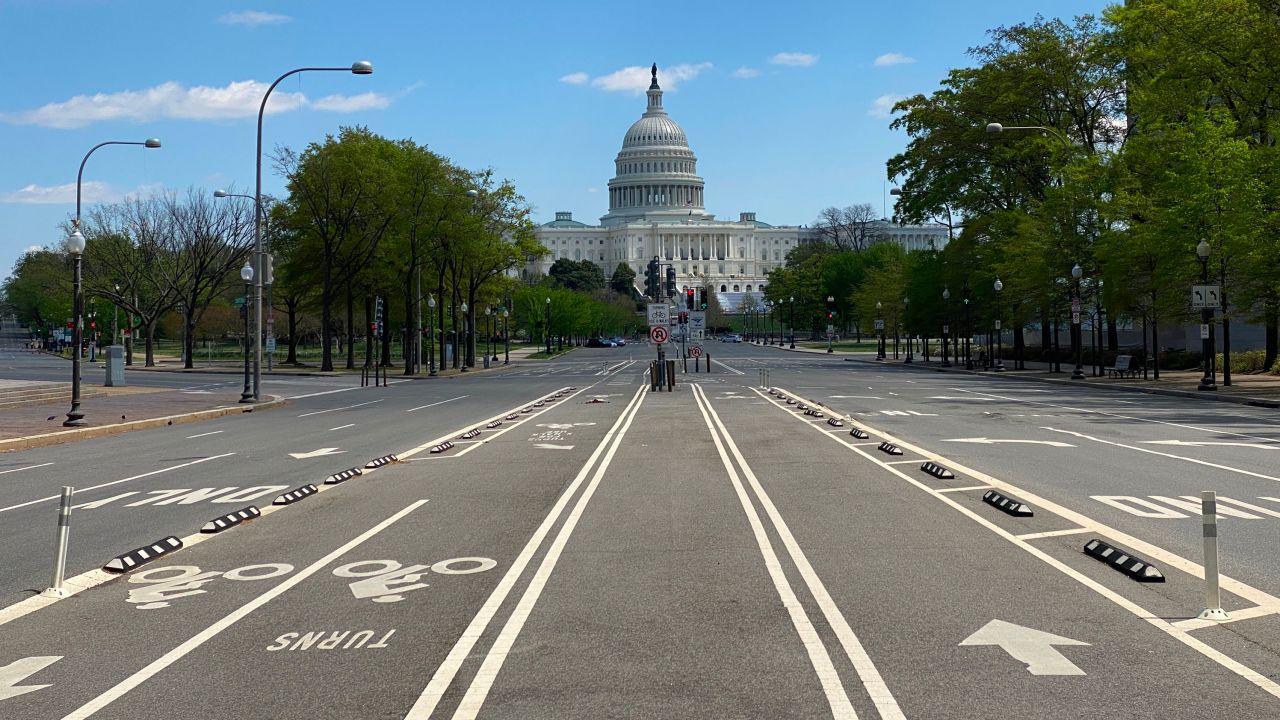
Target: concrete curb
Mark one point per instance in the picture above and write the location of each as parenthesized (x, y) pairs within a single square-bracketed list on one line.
[(89, 433), (1012, 375)]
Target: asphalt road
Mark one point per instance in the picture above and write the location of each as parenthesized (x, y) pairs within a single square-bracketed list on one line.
[(708, 552)]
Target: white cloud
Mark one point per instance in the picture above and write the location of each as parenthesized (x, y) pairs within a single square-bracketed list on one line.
[(351, 103), (253, 18), (577, 78), (90, 191), (744, 73), (174, 100), (635, 79), (882, 107), (893, 59), (593, 190), (794, 59)]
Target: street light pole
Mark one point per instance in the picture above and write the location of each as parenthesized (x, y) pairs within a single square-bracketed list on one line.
[(506, 336), (906, 305), (1077, 338), (946, 325), (466, 337), (362, 67), (999, 367), (548, 332), (76, 245), (1206, 317), (431, 346), (246, 274), (831, 324), (880, 340), (792, 302), (968, 328)]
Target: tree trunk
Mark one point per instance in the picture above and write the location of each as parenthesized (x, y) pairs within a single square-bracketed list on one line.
[(386, 334), (326, 317), (1272, 323), (291, 309), (369, 359), (1018, 346), (1113, 334), (412, 331), (351, 329), (151, 343), (189, 337)]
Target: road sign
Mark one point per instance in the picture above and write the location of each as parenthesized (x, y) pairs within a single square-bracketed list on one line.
[(1075, 318), (695, 351), (1075, 304), (946, 329), (1206, 297), (997, 324), (697, 334), (698, 320), (659, 334), (879, 324), (1204, 331), (271, 344), (658, 314)]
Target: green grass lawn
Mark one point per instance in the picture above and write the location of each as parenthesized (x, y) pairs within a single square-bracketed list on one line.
[(842, 346)]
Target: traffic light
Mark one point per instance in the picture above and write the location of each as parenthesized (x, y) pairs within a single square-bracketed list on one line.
[(671, 282), (688, 298), (652, 279)]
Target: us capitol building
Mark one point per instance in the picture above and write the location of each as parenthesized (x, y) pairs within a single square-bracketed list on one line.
[(656, 208)]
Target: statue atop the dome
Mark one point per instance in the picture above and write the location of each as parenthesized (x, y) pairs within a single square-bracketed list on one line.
[(654, 72)]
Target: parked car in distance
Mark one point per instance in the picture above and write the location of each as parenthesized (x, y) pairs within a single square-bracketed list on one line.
[(601, 342), (731, 337), (618, 340)]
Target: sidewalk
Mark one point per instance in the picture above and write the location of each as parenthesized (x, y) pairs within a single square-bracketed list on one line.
[(109, 411), (169, 363), (1259, 390)]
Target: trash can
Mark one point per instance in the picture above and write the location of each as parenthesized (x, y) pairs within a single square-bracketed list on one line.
[(486, 362), (115, 366)]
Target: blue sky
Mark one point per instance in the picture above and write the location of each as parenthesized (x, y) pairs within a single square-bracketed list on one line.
[(784, 103)]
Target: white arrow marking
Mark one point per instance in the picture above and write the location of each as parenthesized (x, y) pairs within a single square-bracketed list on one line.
[(316, 453), (990, 441), (855, 397), (1196, 443), (17, 670), (967, 397), (549, 446), (1028, 645)]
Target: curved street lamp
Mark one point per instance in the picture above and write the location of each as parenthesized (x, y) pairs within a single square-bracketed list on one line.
[(76, 245), (362, 67), (999, 366)]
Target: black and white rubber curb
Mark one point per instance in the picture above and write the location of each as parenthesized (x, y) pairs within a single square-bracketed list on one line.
[(859, 433), (526, 411), (494, 424), (540, 403), (143, 555), (890, 448), (436, 449), (1011, 505), (512, 416), (380, 461), (1126, 562), (231, 519), (341, 477), (835, 422), (473, 432), (937, 471), (790, 401), (814, 413), (294, 496)]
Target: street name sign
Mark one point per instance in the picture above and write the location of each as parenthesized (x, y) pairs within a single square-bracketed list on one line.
[(658, 314)]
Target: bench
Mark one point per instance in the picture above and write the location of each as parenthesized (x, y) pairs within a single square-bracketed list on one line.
[(1122, 368)]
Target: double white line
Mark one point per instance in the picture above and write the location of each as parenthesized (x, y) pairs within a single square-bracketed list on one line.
[(492, 664), (875, 686)]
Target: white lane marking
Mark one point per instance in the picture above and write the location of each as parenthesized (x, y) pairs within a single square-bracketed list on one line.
[(117, 482), (733, 370), (445, 673), (1248, 613), (819, 658), (1027, 645), (342, 427), (1197, 461), (29, 467), (423, 407), (1171, 559), (321, 452), (1128, 417), (193, 437), (992, 441), (235, 616), (549, 446), (19, 670), (1052, 533), (967, 488), (330, 392), (874, 684), (471, 703), (1206, 443), (346, 407), (479, 423)]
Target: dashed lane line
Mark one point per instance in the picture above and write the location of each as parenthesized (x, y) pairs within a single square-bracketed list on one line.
[(344, 407), (423, 407), (122, 480)]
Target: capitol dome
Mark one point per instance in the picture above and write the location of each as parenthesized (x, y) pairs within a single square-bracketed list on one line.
[(655, 172)]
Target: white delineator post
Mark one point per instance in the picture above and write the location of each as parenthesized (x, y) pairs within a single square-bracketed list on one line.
[(55, 588), (1212, 596)]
